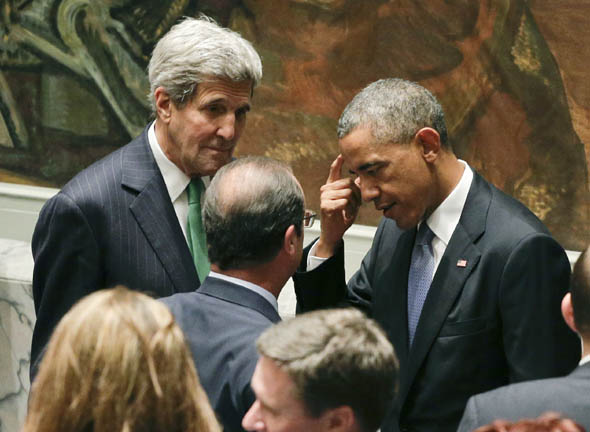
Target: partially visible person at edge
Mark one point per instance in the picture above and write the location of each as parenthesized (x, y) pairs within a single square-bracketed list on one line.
[(569, 395), (465, 280), (117, 361), (133, 218), (549, 422)]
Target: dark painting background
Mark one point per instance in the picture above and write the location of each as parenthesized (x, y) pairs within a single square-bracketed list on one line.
[(511, 76)]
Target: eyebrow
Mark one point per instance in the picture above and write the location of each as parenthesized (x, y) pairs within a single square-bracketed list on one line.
[(257, 394), (365, 167), (246, 106), (265, 403)]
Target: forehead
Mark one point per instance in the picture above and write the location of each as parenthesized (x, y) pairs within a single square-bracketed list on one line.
[(218, 88), (269, 377), (273, 386), (360, 148)]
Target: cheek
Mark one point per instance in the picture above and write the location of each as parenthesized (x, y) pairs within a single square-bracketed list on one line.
[(194, 140)]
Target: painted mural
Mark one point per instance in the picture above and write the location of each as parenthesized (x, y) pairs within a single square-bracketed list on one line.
[(511, 76)]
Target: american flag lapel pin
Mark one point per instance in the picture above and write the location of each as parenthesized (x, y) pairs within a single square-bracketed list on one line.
[(462, 263)]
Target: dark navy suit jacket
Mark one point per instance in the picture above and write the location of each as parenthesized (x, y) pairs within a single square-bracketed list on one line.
[(491, 317), (221, 322), (569, 396), (113, 223)]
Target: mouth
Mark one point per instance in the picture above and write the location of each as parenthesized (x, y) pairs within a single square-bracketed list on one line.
[(220, 149), (385, 208)]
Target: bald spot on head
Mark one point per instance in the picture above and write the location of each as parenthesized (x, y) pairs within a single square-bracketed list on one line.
[(248, 207)]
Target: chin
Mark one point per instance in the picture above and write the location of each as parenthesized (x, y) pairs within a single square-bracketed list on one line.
[(404, 224), (211, 169)]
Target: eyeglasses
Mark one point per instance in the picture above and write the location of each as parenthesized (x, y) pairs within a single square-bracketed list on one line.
[(309, 218)]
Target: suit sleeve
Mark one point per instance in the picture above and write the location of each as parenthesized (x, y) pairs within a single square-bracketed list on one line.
[(469, 421), (242, 396), (322, 287), (538, 343), (66, 267), (325, 286)]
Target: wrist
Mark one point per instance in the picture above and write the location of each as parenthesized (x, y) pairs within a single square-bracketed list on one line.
[(325, 249)]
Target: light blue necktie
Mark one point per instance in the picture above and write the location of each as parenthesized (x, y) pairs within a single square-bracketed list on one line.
[(420, 277), (197, 239)]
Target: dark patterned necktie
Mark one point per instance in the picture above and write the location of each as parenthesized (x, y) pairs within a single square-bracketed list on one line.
[(420, 277)]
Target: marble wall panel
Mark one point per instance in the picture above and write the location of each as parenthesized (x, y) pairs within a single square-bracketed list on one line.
[(17, 317)]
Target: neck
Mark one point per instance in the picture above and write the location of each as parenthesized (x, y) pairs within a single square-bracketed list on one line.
[(161, 131), (261, 275), (448, 173), (585, 347)]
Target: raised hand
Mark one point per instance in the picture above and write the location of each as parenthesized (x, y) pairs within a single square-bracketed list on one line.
[(340, 201)]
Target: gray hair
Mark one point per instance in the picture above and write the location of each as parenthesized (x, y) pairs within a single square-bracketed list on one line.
[(196, 50), (248, 206), (394, 110), (336, 357)]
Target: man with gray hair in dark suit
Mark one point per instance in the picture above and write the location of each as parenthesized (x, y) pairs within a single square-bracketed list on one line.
[(569, 395), (133, 218)]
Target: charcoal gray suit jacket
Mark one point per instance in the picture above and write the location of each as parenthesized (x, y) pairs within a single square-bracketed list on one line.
[(113, 223), (569, 396), (221, 322), (491, 317)]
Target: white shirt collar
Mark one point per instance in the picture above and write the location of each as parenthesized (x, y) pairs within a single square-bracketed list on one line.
[(176, 181), (249, 285), (585, 359), (445, 218)]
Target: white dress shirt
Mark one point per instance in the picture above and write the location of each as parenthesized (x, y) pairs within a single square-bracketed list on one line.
[(175, 179), (249, 285), (442, 221)]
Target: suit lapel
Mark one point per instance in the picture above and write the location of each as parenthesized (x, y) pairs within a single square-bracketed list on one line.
[(155, 214), (460, 258), (240, 295)]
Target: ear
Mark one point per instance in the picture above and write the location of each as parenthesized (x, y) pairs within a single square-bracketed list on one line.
[(567, 311), (429, 140), (163, 104), (290, 240), (340, 419)]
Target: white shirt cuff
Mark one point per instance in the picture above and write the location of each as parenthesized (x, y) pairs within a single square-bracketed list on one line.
[(312, 260)]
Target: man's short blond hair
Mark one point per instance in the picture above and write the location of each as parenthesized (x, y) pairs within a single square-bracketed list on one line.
[(336, 358)]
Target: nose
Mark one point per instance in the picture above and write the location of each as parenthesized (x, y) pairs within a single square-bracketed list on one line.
[(369, 190), (252, 420), (227, 128)]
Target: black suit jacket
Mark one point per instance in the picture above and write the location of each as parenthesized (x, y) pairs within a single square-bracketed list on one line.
[(569, 396), (494, 321), (113, 223), (221, 322)]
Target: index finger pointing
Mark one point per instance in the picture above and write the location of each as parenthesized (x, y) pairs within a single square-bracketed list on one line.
[(336, 169)]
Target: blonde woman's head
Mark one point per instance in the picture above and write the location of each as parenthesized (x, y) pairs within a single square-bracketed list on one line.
[(117, 361)]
